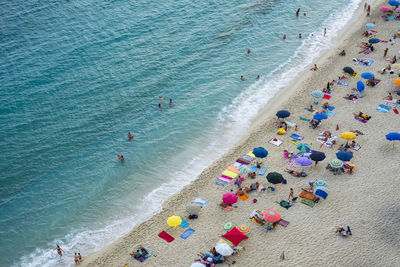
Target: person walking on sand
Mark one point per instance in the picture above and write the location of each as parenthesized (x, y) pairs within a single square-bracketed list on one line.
[(324, 32), (298, 12), (385, 52), (291, 194), (59, 250), (368, 10), (76, 258)]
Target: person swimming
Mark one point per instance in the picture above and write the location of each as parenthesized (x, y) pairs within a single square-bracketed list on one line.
[(130, 136), (163, 100), (121, 158)]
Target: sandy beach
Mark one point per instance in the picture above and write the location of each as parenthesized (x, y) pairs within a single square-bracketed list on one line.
[(367, 200)]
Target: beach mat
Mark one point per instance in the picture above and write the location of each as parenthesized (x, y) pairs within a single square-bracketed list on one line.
[(330, 113), (254, 169), (220, 182), (283, 223), (200, 201), (296, 137), (276, 143), (187, 233), (243, 197), (294, 142), (167, 237), (383, 108), (184, 224), (262, 170), (308, 202), (343, 83), (326, 97), (304, 119), (370, 62)]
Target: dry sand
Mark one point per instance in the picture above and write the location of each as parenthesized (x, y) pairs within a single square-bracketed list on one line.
[(368, 200)]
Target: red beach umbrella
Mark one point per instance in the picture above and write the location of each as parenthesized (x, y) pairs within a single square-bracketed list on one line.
[(272, 216), (235, 236), (229, 198)]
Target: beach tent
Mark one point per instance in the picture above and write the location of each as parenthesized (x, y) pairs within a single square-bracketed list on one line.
[(235, 236)]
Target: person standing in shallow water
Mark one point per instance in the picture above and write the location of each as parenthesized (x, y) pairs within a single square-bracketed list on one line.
[(298, 12), (59, 250), (299, 35)]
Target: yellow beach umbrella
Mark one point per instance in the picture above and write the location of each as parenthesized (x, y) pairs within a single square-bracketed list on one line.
[(174, 221), (348, 136), (397, 81)]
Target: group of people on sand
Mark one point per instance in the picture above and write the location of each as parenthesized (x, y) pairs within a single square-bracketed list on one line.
[(211, 258), (77, 256)]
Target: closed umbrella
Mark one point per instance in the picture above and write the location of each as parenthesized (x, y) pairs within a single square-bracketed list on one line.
[(370, 25), (336, 164), (281, 114), (229, 198), (384, 8), (193, 209), (174, 221), (244, 169), (235, 236), (320, 183), (260, 152), (275, 178), (344, 155), (272, 216), (317, 94), (244, 229), (224, 249), (348, 70), (321, 192), (304, 147), (373, 40), (303, 161), (320, 116), (397, 81), (367, 75)]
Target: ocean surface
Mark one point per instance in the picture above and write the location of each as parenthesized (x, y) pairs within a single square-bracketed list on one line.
[(77, 76)]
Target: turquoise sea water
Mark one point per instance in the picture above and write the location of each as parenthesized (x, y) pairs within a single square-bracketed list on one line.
[(77, 76)]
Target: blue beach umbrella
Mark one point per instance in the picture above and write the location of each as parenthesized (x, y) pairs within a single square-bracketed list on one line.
[(320, 183), (344, 155), (260, 152), (367, 75), (373, 40), (394, 3), (370, 25), (393, 137), (283, 114), (321, 192), (360, 86), (317, 94), (304, 147), (320, 116)]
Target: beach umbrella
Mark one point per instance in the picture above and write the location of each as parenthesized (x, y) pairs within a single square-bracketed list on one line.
[(317, 94), (398, 10), (393, 136), (304, 147), (224, 249), (336, 164), (260, 152), (360, 86), (317, 156), (394, 3), (344, 155), (272, 216), (235, 236), (174, 221), (397, 81), (229, 198), (197, 264), (367, 75), (303, 161), (348, 136), (281, 114), (275, 178), (321, 192), (193, 209), (244, 169), (384, 8), (348, 70), (320, 183), (244, 229), (370, 25), (320, 116), (373, 40)]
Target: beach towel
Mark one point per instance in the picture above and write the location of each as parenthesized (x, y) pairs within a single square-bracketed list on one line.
[(242, 161), (290, 123), (367, 52), (283, 223), (243, 197), (254, 169), (307, 195), (233, 169), (254, 221), (308, 202), (167, 237), (200, 201), (220, 182), (312, 111), (383, 108), (275, 143), (343, 83), (355, 74), (229, 174), (330, 113), (370, 62), (326, 96), (248, 158), (296, 137), (237, 164), (392, 103), (304, 119), (294, 142), (251, 155), (187, 233), (262, 170), (328, 142), (395, 111), (184, 224)]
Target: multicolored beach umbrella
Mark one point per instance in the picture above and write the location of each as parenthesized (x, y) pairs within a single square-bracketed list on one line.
[(234, 236), (244, 229), (193, 209), (320, 183), (304, 147), (244, 169), (336, 164)]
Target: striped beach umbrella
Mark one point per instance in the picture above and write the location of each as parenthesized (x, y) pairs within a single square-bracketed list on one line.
[(304, 147), (244, 169), (193, 209), (336, 164), (244, 229), (320, 183)]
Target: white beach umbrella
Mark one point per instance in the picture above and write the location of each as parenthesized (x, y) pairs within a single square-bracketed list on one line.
[(224, 249)]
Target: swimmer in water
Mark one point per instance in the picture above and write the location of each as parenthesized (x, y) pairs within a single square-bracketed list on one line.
[(297, 12), (163, 100), (242, 78), (248, 51), (170, 101), (121, 158), (130, 136), (159, 105), (299, 35), (59, 250), (284, 37), (258, 77)]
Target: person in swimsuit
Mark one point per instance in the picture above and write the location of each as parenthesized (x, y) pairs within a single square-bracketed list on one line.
[(291, 194), (59, 250), (130, 136)]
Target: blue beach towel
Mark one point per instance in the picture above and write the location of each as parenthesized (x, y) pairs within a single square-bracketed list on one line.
[(330, 113), (200, 201), (254, 169), (370, 62), (296, 137), (187, 233), (184, 224), (262, 170), (343, 83), (383, 108)]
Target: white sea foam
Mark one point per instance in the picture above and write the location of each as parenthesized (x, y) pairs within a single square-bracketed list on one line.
[(233, 122)]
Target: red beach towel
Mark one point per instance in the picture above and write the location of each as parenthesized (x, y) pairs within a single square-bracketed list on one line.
[(396, 111), (326, 96), (167, 237)]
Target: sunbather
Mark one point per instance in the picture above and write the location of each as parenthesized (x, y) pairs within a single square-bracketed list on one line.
[(389, 97), (238, 181), (343, 53), (387, 69), (342, 231), (310, 108), (357, 132), (350, 97), (314, 123), (283, 125), (257, 216), (141, 251), (295, 173), (252, 174), (325, 106), (326, 91), (362, 116)]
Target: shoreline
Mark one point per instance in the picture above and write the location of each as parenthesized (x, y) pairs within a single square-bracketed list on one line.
[(262, 129)]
